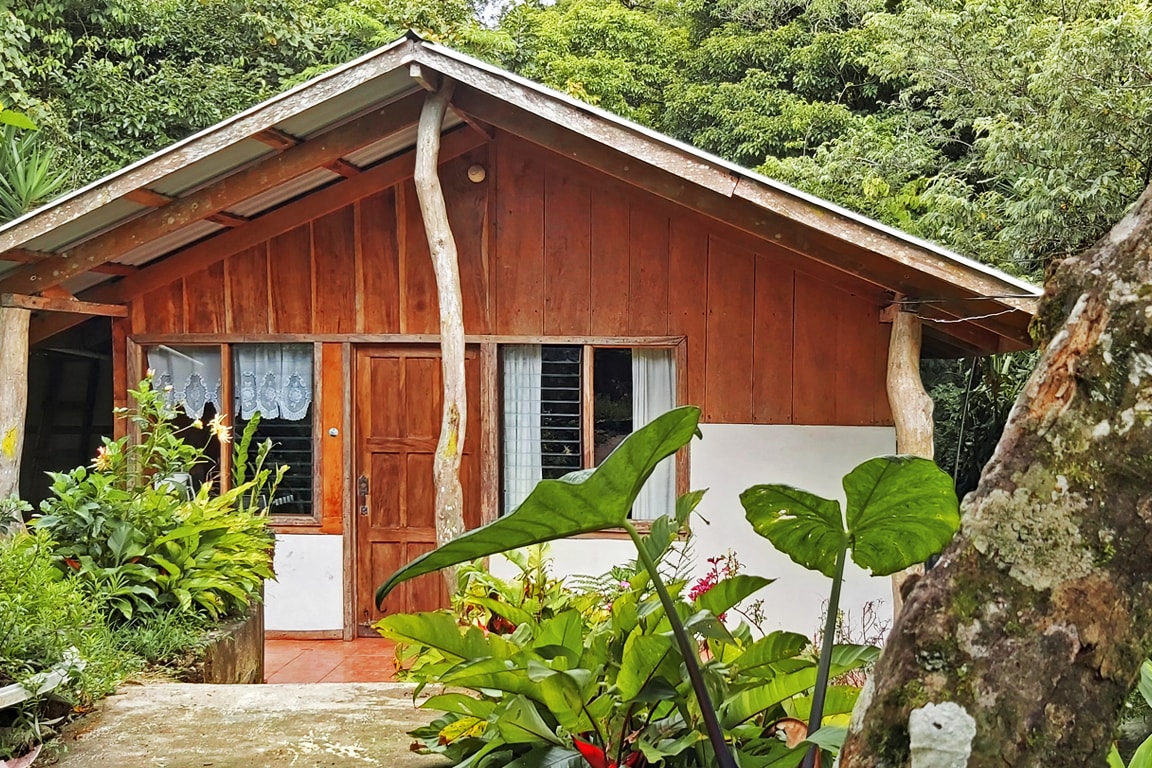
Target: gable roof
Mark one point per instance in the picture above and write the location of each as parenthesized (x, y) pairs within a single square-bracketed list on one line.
[(97, 240)]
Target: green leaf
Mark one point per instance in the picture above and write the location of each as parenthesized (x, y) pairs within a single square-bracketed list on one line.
[(581, 502), (802, 525), (643, 655), (901, 511), (549, 757), (520, 723), (1114, 759), (1145, 683), (840, 701), (829, 737), (769, 649), (564, 631), (461, 704), (439, 630), (17, 119), (727, 593), (1142, 757)]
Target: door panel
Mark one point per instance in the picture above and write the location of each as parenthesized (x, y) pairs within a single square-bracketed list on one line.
[(399, 393)]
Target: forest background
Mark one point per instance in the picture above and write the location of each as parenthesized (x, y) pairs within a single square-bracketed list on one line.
[(1015, 132)]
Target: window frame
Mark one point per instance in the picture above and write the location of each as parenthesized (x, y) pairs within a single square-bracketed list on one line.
[(678, 348), (137, 365)]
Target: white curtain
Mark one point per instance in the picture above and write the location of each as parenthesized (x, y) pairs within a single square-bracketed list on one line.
[(654, 393), (192, 372), (522, 462), (274, 379)]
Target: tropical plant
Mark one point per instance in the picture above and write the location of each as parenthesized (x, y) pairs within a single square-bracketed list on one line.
[(901, 511), (30, 171), (1142, 756), (141, 541), (884, 497), (44, 620), (596, 675)]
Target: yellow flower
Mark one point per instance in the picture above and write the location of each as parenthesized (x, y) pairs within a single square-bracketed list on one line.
[(103, 460), (197, 424), (221, 430)]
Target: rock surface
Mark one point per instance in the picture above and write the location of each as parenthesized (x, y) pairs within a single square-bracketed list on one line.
[(250, 726)]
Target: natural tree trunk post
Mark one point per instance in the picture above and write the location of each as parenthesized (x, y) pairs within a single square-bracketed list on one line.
[(911, 407), (1020, 647), (13, 403), (446, 468)]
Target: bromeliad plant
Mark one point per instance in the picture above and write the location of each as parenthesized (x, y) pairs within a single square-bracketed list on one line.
[(549, 670)]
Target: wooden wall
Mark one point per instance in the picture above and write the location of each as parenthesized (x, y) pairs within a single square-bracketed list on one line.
[(551, 248)]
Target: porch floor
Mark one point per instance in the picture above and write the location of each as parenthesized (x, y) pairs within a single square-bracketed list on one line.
[(363, 660)]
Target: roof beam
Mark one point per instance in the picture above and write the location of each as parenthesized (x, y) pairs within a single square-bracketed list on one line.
[(275, 138), (148, 198), (72, 306), (312, 154), (25, 256), (207, 252)]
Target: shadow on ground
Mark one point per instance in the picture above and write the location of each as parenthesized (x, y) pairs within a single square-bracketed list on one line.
[(250, 726)]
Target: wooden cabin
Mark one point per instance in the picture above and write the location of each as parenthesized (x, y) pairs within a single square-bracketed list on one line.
[(278, 263)]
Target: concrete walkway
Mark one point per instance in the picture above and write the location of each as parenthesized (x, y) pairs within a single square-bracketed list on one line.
[(250, 726)]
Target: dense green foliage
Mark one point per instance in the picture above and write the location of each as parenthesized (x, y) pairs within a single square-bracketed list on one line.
[(140, 542), (47, 620), (575, 672), (559, 672)]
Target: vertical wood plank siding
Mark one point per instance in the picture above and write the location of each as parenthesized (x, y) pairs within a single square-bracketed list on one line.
[(549, 247)]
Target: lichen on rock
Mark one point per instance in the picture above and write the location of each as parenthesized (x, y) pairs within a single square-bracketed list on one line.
[(940, 735)]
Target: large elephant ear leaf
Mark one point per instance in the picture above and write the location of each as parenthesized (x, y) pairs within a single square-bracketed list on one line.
[(804, 526), (581, 502), (901, 511)]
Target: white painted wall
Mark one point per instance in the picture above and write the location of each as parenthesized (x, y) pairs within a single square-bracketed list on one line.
[(308, 593), (731, 458)]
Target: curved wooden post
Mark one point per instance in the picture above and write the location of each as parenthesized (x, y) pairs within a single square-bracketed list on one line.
[(13, 402), (911, 408), (442, 246)]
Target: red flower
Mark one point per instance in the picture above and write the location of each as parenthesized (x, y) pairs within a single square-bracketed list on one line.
[(598, 758)]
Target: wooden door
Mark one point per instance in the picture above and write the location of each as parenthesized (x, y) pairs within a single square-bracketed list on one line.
[(399, 393)]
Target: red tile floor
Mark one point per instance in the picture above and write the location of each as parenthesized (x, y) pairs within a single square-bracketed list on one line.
[(363, 660)]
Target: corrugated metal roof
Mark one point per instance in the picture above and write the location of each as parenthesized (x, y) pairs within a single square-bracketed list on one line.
[(274, 196), (142, 254), (217, 165), (343, 106), (76, 231)]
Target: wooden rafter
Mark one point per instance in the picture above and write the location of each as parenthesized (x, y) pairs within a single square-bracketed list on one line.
[(344, 168), (277, 139), (25, 256), (208, 252), (229, 220), (71, 306), (148, 197), (214, 198)]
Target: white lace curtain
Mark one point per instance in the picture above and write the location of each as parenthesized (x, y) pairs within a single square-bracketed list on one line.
[(192, 372), (522, 460), (274, 379)]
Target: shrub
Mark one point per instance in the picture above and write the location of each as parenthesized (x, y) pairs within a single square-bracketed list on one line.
[(140, 542), (557, 673), (42, 617)]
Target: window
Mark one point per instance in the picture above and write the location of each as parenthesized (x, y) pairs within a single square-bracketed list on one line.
[(275, 380), (555, 424), (191, 377)]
